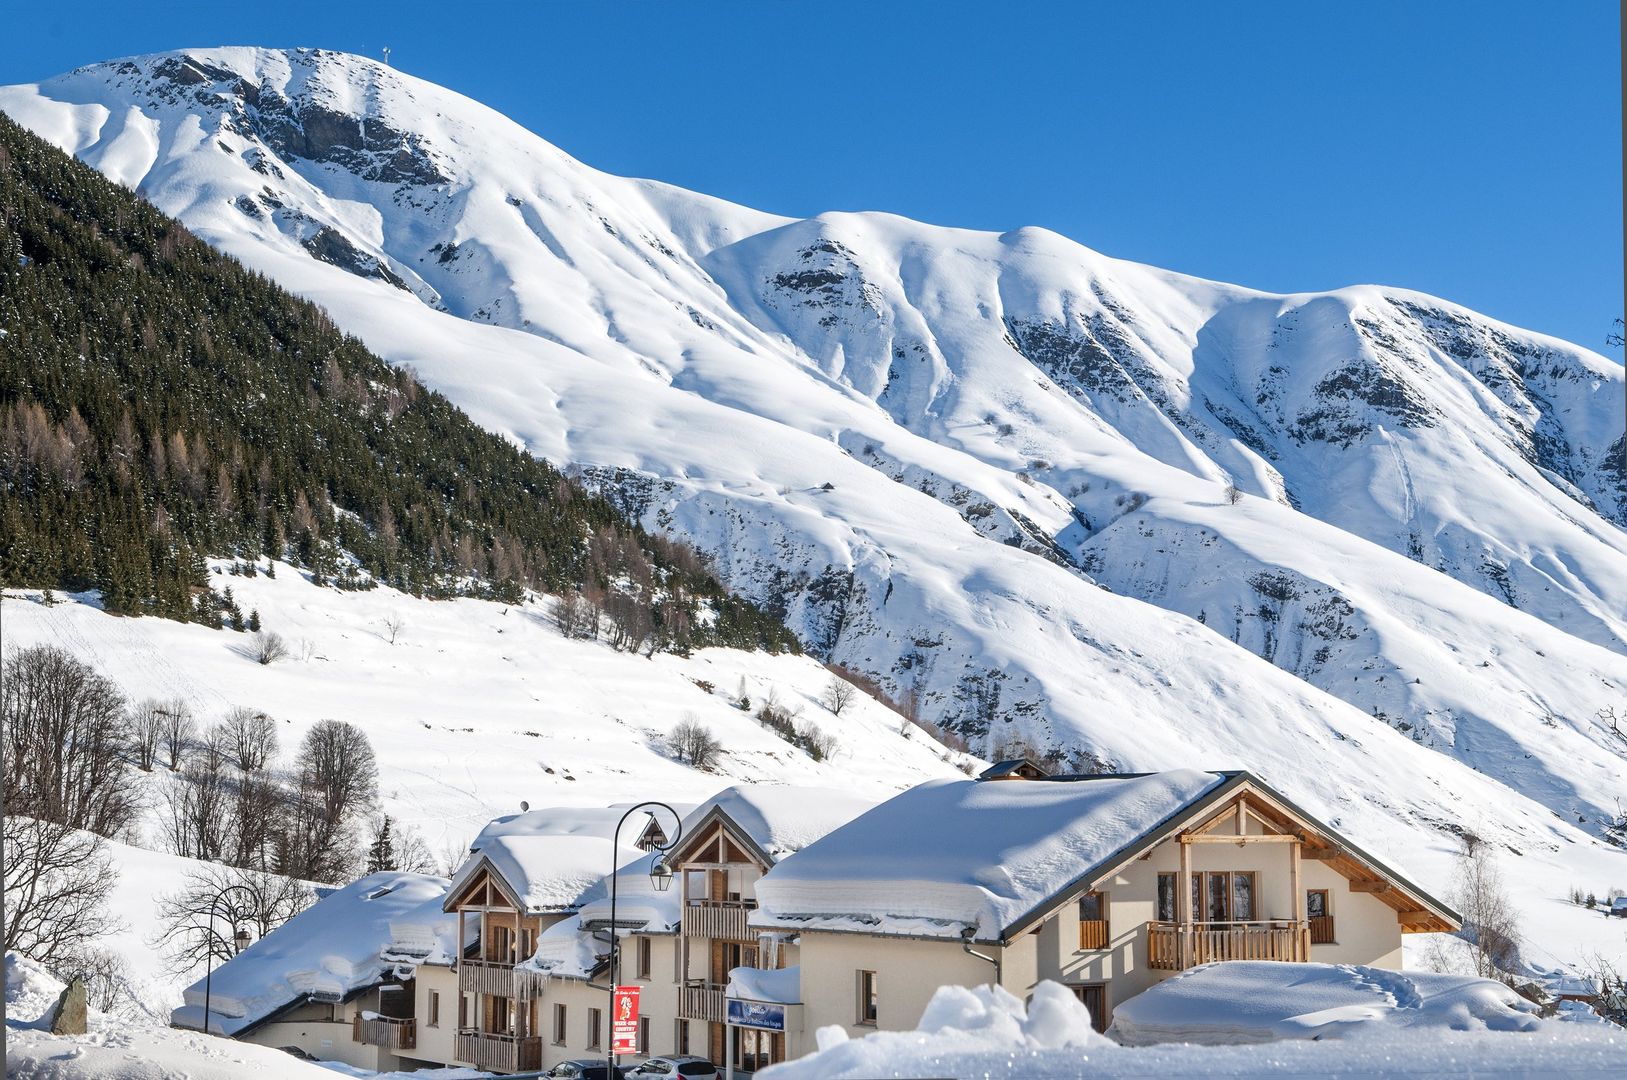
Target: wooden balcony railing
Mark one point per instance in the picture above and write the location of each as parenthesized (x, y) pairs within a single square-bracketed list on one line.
[(499, 1053), (385, 1031), (1093, 934), (724, 919), (1174, 947), (698, 1000), (504, 980), (1322, 930)]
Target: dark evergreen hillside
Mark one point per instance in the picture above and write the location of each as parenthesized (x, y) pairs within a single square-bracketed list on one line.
[(159, 403)]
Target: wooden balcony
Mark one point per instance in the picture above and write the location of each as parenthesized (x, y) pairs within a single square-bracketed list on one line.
[(724, 919), (385, 1031), (499, 1053), (1174, 947), (1093, 935), (503, 980), (698, 1000), (1322, 930)]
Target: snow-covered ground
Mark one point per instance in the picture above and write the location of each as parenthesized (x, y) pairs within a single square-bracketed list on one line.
[(475, 708), (116, 1049), (990, 1035), (1259, 1001)]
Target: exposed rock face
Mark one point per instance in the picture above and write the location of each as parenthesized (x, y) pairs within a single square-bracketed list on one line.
[(71, 1016), (332, 246)]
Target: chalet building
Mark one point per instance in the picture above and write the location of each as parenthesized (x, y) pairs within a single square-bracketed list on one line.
[(1103, 883), (796, 908)]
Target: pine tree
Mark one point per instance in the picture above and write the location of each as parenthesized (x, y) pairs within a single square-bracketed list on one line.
[(381, 852)]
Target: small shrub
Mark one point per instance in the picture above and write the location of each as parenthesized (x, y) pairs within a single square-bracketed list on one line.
[(269, 647), (693, 744)]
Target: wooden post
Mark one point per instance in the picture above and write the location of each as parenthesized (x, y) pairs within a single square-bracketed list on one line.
[(1183, 908), (1301, 950)]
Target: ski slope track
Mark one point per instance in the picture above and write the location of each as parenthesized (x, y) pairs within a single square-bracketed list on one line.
[(993, 468)]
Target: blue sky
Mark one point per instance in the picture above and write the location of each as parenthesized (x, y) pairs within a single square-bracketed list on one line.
[(1471, 150)]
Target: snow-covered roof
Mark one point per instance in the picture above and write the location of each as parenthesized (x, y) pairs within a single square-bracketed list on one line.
[(554, 857), (955, 854), (328, 951), (779, 819), (782, 985)]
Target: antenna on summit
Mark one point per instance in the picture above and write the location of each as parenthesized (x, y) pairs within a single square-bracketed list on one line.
[(386, 56)]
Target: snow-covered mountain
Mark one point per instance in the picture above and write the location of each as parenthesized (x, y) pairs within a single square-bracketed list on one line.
[(979, 466)]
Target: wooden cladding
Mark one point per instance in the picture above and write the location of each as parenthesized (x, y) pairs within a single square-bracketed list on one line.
[(390, 1033), (1093, 935), (499, 1053), (1174, 947)]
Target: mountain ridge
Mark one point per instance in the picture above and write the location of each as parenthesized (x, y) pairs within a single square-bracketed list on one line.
[(934, 451)]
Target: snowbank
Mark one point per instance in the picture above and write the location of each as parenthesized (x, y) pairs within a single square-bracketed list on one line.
[(783, 985), (987, 1034), (1260, 1001), (953, 854)]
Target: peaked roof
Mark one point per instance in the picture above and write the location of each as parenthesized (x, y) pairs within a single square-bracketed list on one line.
[(956, 857), (774, 820)]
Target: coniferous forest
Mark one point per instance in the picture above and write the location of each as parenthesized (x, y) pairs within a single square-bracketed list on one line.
[(160, 404)]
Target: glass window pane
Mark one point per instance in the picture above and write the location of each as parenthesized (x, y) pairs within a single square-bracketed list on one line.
[(1243, 897), (1217, 897), (1166, 897)]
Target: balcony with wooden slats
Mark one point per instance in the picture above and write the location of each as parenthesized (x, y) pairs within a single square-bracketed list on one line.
[(499, 1053), (1176, 947), (722, 919), (503, 980), (701, 1000), (386, 1031), (1093, 935)]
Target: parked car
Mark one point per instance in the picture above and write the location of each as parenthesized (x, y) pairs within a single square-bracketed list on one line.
[(1618, 907), (683, 1067), (585, 1069)]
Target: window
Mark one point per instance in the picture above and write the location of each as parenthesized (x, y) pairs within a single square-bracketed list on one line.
[(1243, 897), (466, 1010), (644, 949), (528, 944), (594, 1040), (1320, 916), (867, 1010), (1217, 896), (559, 1025), (1093, 931), (680, 1036), (434, 1017), (644, 1035), (1166, 898), (1094, 996)]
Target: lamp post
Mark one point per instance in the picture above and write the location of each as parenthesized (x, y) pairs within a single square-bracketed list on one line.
[(239, 940), (661, 879)]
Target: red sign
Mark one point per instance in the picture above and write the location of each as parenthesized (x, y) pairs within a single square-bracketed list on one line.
[(624, 1021)]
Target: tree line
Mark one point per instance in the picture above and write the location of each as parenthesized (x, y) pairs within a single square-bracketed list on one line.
[(160, 403)]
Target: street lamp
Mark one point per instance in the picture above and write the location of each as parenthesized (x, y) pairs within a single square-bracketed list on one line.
[(240, 939), (661, 879)]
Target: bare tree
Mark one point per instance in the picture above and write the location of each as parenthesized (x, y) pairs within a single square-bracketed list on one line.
[(107, 980), (412, 854), (576, 616), (393, 625), (249, 738), (201, 918), (336, 778), (1234, 494), (63, 736), (57, 884), (269, 647), (819, 744), (197, 817), (146, 724), (838, 695), (1490, 922), (693, 743), (179, 731)]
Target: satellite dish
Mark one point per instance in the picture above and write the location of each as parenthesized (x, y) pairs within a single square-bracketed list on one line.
[(524, 806)]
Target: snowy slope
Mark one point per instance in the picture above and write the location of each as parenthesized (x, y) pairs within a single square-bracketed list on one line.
[(933, 448)]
